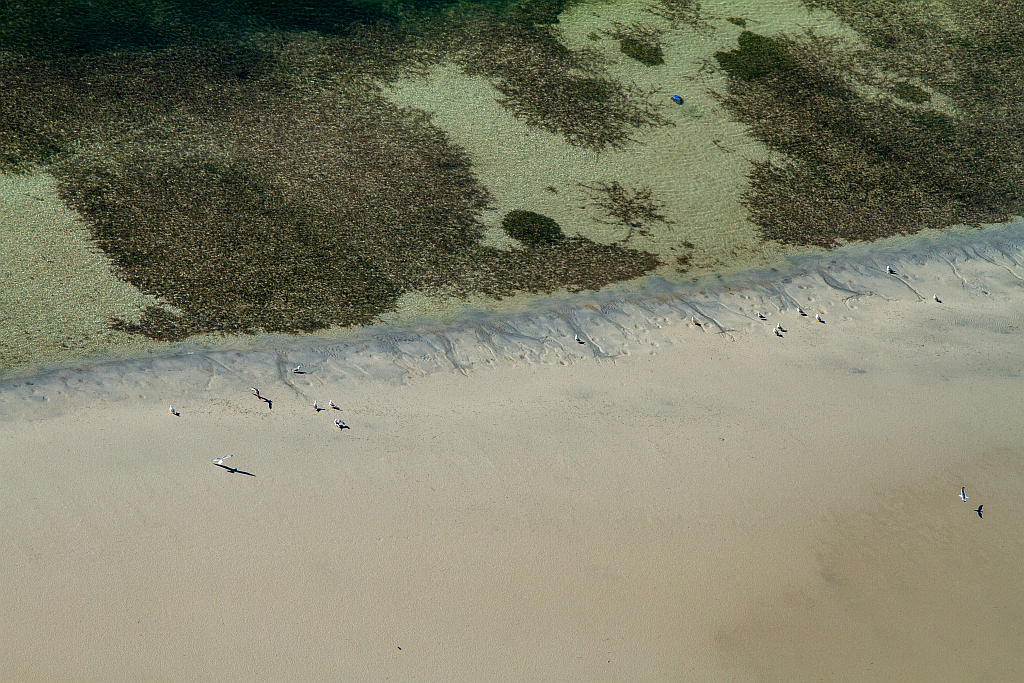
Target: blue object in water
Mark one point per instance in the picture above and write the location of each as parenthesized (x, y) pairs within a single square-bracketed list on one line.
[(677, 99)]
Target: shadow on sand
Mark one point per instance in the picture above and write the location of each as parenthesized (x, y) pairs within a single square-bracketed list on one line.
[(233, 470)]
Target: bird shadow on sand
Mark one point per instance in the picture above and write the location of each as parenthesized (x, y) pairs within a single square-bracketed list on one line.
[(233, 470)]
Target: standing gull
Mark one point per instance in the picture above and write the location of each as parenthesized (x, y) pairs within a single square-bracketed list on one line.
[(694, 321), (578, 340), (800, 311), (341, 425), (889, 270), (937, 299), (760, 316), (316, 407), (818, 318), (172, 411), (331, 404), (963, 494), (297, 370)]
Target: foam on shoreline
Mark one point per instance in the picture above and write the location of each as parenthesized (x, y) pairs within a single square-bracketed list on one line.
[(975, 263)]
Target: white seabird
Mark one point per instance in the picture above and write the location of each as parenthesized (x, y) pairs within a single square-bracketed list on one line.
[(339, 424), (296, 368), (172, 411), (778, 332), (760, 316), (220, 461), (937, 299), (818, 318), (331, 404), (578, 340), (316, 407), (800, 311), (963, 494), (889, 270), (694, 321), (255, 391)]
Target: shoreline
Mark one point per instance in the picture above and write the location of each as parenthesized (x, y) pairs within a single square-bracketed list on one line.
[(614, 323)]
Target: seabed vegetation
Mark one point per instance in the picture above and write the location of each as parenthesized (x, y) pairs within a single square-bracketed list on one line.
[(634, 209), (864, 149), (638, 41), (238, 161), (257, 181)]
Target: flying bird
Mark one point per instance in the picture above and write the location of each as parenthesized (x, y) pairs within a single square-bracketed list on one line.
[(963, 494), (979, 511), (220, 461), (255, 391)]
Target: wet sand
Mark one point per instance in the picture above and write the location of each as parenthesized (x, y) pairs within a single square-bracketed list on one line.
[(665, 502)]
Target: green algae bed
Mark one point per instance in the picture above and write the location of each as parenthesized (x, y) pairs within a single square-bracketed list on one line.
[(239, 165)]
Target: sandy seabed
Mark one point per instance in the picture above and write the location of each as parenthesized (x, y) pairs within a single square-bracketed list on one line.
[(665, 502)]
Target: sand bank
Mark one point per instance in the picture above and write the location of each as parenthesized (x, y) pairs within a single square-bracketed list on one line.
[(665, 502)]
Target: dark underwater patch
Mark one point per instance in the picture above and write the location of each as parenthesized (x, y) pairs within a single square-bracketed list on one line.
[(532, 229), (857, 167), (80, 27), (547, 85)]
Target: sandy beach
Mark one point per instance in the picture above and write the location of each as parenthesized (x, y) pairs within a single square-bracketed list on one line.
[(664, 502)]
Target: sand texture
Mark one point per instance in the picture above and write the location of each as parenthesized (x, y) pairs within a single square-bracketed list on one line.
[(664, 502)]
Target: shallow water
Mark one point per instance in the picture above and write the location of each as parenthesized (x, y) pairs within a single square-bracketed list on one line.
[(60, 293)]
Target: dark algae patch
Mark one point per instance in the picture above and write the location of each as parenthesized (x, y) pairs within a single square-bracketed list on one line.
[(644, 51), (564, 91), (633, 209), (238, 161), (532, 229), (911, 93), (863, 153), (638, 41), (759, 58)]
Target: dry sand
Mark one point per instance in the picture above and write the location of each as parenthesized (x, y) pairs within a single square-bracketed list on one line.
[(663, 503)]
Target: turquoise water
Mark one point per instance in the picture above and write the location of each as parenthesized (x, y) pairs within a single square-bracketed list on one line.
[(84, 28)]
